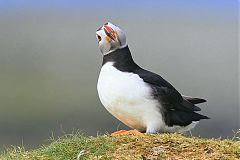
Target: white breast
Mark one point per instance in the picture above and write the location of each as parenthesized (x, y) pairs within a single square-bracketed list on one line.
[(128, 98)]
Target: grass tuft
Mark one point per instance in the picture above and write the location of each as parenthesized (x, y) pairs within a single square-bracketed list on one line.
[(129, 147)]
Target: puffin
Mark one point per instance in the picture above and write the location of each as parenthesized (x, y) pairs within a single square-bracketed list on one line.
[(142, 100)]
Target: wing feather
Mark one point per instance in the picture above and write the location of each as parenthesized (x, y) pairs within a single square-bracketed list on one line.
[(166, 93)]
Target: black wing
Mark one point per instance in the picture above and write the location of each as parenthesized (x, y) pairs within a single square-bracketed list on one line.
[(166, 93), (179, 110)]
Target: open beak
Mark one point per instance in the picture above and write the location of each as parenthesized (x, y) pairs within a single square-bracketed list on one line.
[(98, 38), (109, 32)]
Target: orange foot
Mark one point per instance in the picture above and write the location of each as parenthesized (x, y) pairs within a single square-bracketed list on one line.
[(125, 132)]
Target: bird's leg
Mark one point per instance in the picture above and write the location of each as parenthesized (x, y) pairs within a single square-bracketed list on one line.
[(125, 132), (153, 127)]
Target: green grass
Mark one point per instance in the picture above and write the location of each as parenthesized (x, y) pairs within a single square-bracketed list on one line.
[(129, 147)]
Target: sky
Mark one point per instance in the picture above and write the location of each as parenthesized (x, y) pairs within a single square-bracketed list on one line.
[(107, 3), (217, 6)]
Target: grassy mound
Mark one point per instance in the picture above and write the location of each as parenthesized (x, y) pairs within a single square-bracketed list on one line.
[(129, 147)]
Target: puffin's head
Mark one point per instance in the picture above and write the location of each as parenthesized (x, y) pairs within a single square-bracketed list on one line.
[(110, 38)]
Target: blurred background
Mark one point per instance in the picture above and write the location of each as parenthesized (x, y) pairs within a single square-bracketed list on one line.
[(50, 61)]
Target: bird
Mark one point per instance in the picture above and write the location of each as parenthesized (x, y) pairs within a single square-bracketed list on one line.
[(142, 100)]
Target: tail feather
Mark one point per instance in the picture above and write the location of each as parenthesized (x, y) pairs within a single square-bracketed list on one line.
[(194, 100), (182, 118)]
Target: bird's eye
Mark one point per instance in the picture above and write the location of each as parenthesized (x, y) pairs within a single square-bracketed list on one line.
[(99, 38)]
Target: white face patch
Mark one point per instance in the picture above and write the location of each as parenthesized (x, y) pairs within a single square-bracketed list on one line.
[(110, 38)]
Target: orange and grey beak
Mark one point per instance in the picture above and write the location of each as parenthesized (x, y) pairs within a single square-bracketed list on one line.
[(109, 32)]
